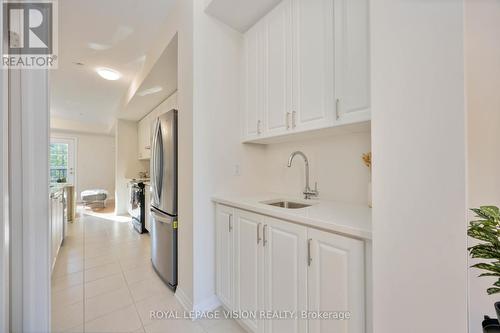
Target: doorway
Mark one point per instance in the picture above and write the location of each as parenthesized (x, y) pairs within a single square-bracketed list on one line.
[(62, 161)]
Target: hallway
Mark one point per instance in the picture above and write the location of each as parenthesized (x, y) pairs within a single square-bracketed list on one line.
[(103, 282)]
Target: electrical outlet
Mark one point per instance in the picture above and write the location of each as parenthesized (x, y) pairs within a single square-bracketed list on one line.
[(237, 171)]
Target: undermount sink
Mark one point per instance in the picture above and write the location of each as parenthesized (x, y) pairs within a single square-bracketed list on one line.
[(287, 204)]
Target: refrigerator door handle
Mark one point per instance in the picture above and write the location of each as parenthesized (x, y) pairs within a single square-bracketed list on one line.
[(153, 170), (159, 162), (160, 217), (156, 176)]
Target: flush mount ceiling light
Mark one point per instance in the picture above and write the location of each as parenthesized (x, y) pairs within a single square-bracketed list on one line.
[(150, 91), (109, 74)]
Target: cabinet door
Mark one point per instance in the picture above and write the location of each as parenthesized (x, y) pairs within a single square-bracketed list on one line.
[(147, 137), (254, 72), (224, 255), (313, 57), (140, 136), (285, 274), (352, 60), (278, 69), (336, 281), (249, 265)]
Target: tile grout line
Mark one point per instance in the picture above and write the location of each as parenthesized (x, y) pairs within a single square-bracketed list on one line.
[(133, 300)]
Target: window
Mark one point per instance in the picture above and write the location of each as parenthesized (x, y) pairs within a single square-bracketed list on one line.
[(58, 162)]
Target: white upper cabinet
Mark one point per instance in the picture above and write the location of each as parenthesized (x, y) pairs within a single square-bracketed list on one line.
[(352, 60), (306, 68), (146, 126), (278, 69), (144, 137), (313, 76), (253, 90)]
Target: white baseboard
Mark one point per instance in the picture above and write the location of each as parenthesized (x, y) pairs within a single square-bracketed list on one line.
[(185, 301), (209, 304)]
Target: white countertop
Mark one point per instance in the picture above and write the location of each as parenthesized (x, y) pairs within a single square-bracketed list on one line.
[(348, 219)]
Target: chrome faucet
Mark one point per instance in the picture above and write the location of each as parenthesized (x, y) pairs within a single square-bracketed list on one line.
[(308, 193)]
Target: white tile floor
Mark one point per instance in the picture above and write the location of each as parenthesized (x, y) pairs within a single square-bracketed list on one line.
[(103, 282)]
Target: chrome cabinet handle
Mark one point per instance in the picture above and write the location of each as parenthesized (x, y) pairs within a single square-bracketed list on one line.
[(294, 119), (337, 108), (258, 233), (309, 258), (230, 222), (264, 242), (259, 123), (288, 120)]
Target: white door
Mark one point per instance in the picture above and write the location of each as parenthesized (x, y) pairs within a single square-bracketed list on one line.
[(249, 265), (254, 72), (313, 57), (278, 63), (62, 160), (224, 254), (352, 61), (336, 281), (285, 247)]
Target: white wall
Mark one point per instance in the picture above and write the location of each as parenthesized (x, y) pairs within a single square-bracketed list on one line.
[(95, 157), (68, 125), (334, 162), (483, 100), (217, 148), (419, 175), (127, 162)]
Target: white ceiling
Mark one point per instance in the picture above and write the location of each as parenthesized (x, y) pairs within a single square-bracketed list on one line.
[(163, 75), (101, 33)]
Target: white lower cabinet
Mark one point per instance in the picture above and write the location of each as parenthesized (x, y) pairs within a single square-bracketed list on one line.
[(224, 249), (285, 280), (266, 264), (249, 266), (336, 281)]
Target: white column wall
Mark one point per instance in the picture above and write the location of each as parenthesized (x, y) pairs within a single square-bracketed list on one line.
[(419, 167)]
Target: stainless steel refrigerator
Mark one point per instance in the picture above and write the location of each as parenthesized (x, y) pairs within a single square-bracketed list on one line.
[(164, 198)]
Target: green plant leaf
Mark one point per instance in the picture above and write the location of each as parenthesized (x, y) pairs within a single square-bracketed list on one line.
[(489, 274), (493, 290), (487, 230)]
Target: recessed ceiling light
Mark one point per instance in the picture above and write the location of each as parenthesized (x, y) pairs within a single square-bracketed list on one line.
[(109, 74), (150, 91)]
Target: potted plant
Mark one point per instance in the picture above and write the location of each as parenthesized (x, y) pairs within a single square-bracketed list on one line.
[(486, 229)]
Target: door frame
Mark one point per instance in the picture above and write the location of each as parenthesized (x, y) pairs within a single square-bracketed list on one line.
[(56, 138), (4, 198), (30, 230)]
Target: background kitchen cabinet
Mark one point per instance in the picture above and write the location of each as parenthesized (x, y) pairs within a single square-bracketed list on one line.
[(56, 208), (144, 137), (146, 125), (336, 281)]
